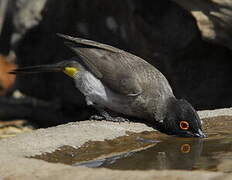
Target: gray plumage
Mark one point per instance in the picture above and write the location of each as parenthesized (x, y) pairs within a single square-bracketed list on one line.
[(135, 81), (112, 79)]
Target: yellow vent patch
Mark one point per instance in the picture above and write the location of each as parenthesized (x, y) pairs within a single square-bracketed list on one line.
[(70, 71)]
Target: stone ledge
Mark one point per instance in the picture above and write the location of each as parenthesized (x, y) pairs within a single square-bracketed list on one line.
[(14, 150)]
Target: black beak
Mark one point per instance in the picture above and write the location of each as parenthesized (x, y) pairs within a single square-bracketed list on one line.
[(200, 134), (37, 69)]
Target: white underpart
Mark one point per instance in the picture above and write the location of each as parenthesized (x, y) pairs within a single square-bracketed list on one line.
[(96, 93)]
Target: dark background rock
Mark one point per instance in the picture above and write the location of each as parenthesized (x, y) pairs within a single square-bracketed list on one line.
[(162, 32), (214, 19)]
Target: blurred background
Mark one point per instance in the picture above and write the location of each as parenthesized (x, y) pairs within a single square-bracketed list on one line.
[(190, 42)]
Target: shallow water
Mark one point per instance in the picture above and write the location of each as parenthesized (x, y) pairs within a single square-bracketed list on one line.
[(152, 150)]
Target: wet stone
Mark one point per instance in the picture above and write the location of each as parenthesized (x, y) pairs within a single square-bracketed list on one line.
[(102, 149), (152, 150)]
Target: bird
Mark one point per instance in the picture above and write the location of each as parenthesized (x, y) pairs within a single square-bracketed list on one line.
[(113, 80)]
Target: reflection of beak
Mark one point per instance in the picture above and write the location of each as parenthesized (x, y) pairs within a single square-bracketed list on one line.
[(200, 134), (37, 69)]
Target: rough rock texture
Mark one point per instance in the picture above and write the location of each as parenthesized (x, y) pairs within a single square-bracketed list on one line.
[(71, 134), (216, 112), (213, 19), (45, 171), (14, 150), (54, 137)]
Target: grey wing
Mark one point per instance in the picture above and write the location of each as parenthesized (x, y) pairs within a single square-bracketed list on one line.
[(113, 66)]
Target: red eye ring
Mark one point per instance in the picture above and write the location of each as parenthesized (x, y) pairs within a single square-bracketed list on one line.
[(184, 125), (185, 148)]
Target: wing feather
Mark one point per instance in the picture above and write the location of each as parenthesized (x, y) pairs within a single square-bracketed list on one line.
[(113, 66)]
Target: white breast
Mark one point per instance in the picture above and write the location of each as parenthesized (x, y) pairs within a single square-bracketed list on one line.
[(96, 93)]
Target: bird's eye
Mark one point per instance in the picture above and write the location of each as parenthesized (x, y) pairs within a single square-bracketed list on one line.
[(185, 148), (184, 125)]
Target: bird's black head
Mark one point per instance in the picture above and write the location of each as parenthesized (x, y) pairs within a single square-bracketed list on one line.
[(181, 120)]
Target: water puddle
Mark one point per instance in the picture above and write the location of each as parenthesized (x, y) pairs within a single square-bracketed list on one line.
[(152, 150)]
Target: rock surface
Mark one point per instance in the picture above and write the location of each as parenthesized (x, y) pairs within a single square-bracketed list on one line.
[(42, 170), (213, 19), (14, 151)]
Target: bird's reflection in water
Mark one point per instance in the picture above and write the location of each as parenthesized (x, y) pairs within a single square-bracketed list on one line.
[(171, 153)]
